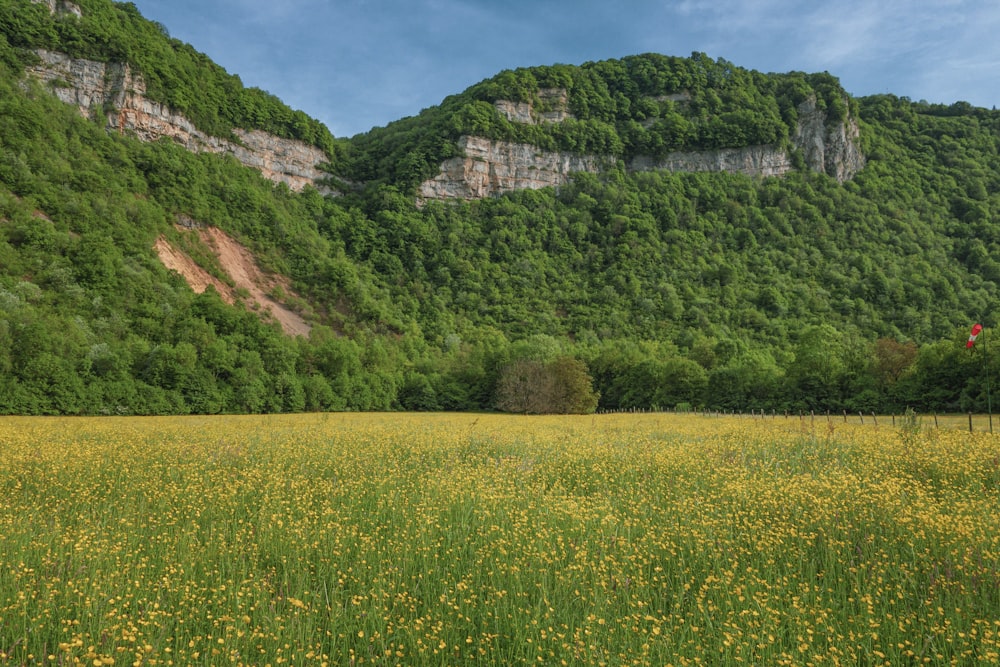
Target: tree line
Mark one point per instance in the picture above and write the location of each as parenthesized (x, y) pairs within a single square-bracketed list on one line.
[(618, 290)]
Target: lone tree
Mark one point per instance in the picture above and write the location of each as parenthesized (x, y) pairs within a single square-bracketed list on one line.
[(561, 386)]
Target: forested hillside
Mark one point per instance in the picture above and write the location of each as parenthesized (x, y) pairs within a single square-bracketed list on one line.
[(640, 105), (175, 73), (617, 290)]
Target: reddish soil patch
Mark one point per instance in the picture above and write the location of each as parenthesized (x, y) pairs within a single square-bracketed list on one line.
[(198, 278), (240, 265)]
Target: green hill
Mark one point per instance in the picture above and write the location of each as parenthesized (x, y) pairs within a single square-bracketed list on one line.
[(815, 289)]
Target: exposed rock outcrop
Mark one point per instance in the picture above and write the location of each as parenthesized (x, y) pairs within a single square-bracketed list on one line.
[(61, 7), (114, 90), (554, 103), (493, 167), (752, 160), (83, 83), (831, 149), (828, 148), (487, 167)]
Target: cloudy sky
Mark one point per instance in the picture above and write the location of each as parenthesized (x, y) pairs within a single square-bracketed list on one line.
[(358, 64)]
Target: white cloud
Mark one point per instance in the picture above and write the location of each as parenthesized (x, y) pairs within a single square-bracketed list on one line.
[(367, 62)]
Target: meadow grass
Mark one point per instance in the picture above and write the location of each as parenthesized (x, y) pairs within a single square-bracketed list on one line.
[(488, 539)]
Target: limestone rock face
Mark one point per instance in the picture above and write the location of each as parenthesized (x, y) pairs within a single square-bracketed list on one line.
[(61, 7), (280, 160), (753, 161), (554, 103), (487, 167), (83, 83), (114, 90), (830, 149), (491, 167)]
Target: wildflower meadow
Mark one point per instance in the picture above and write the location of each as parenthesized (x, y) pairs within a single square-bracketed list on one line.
[(403, 539)]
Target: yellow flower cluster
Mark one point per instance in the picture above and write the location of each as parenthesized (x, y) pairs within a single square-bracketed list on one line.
[(452, 539)]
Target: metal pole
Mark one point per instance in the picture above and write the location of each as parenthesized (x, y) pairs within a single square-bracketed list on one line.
[(986, 363)]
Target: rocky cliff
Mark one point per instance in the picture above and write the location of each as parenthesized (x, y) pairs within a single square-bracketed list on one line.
[(553, 107), (114, 90), (492, 167), (751, 160), (830, 148), (489, 167), (60, 7), (486, 167)]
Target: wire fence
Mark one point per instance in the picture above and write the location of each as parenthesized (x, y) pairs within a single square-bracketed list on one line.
[(971, 422), (975, 423)]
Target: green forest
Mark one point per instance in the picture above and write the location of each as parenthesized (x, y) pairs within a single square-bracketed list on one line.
[(651, 290)]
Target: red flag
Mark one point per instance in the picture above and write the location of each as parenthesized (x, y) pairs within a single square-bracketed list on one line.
[(976, 328)]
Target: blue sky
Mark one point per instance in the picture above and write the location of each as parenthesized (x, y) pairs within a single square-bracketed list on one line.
[(358, 64)]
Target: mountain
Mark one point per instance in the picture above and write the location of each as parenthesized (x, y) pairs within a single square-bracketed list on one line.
[(656, 230)]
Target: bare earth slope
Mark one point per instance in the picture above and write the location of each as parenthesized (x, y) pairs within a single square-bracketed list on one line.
[(240, 266)]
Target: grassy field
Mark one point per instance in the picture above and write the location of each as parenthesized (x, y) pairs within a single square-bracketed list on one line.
[(485, 539)]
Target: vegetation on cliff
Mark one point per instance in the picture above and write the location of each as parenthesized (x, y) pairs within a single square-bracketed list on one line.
[(175, 73), (714, 290), (640, 105)]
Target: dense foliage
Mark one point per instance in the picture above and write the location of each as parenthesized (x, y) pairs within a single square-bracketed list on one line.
[(640, 105), (700, 290), (175, 73)]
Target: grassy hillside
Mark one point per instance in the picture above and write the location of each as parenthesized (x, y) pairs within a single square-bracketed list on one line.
[(713, 290)]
